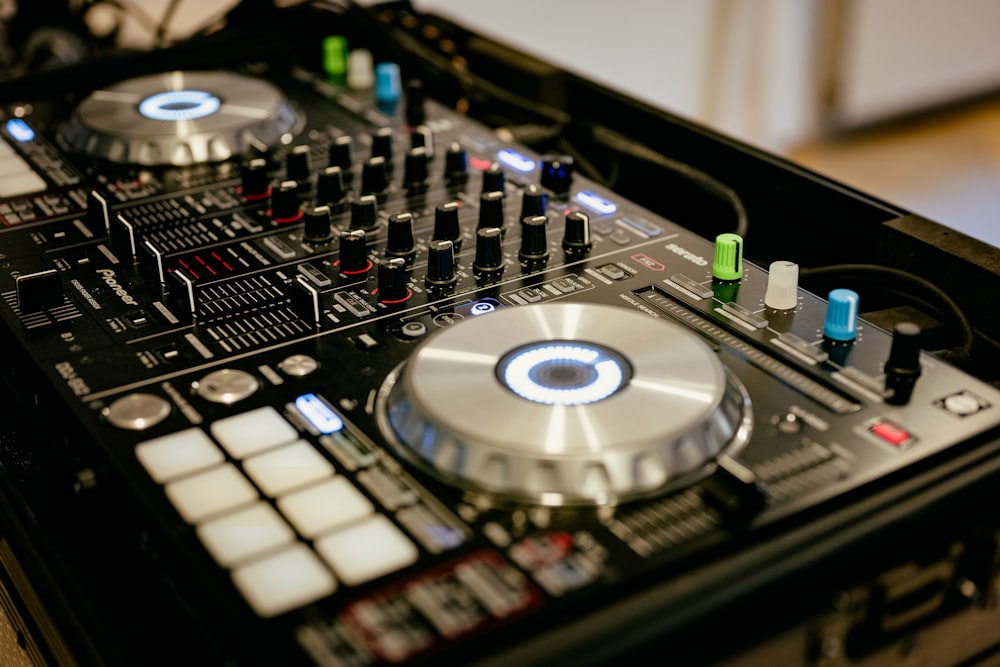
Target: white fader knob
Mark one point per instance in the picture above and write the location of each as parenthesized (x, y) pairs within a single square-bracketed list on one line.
[(782, 286)]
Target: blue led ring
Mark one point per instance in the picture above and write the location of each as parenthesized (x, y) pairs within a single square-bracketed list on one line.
[(563, 372), (177, 105)]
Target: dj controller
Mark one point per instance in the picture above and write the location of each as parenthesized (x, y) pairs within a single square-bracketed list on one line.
[(379, 386)]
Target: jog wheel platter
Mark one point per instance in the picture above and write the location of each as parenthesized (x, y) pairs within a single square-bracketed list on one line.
[(563, 404), (180, 119)]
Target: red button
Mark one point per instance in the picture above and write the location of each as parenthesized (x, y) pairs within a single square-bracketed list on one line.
[(891, 433)]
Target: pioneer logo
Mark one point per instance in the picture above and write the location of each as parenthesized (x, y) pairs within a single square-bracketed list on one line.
[(112, 281), (687, 254)]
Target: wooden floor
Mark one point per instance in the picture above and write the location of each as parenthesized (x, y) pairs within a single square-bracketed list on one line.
[(943, 165)]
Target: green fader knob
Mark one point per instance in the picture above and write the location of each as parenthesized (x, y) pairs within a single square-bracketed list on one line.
[(728, 262)]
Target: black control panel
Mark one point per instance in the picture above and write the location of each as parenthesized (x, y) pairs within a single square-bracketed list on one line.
[(387, 388)]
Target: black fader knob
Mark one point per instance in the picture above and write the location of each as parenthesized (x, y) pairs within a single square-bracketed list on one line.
[(392, 280), (330, 186), (446, 224), (534, 244), (353, 253), (399, 237), (489, 253), (903, 366), (491, 210), (255, 184), (534, 202), (456, 163), (364, 213), (285, 203), (557, 174), (576, 233), (440, 264), (318, 227)]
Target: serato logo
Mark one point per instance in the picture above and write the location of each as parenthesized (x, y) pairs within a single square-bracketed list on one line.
[(687, 254), (112, 281)]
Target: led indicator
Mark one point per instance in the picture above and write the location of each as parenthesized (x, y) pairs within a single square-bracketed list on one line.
[(596, 203), (515, 160), (177, 105), (20, 130), (319, 414), (563, 373)]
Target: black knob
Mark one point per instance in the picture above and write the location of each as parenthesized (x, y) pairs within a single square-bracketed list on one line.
[(399, 237), (491, 210), (317, 226), (534, 244), (903, 366), (341, 150), (364, 213), (493, 178), (422, 137), (415, 172), (297, 165), (375, 175), (330, 186), (382, 143), (557, 174), (392, 280), (576, 233), (416, 96), (446, 226), (456, 163), (254, 181), (285, 203), (534, 202), (353, 252), (440, 264), (489, 253)]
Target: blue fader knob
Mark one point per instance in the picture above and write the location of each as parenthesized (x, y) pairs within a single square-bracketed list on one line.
[(841, 315)]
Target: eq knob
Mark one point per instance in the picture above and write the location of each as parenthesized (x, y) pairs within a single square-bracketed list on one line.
[(255, 184), (491, 210), (341, 155), (456, 163), (399, 237), (364, 213), (534, 249), (382, 143), (903, 366), (841, 322), (285, 203), (318, 227), (557, 174), (415, 170), (440, 264), (375, 175), (297, 165), (392, 280), (416, 98), (330, 186), (493, 178), (353, 252), (446, 224), (782, 286), (422, 137), (576, 233), (489, 253), (534, 202), (728, 261)]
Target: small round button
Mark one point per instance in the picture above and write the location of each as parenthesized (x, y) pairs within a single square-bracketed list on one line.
[(962, 404), (226, 386), (298, 365), (413, 329), (137, 412)]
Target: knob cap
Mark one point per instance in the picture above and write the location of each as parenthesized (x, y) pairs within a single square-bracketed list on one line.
[(382, 143), (297, 165), (330, 186), (446, 224), (841, 315), (440, 264), (392, 280), (388, 87), (364, 213), (254, 181), (534, 202), (493, 178), (903, 366), (489, 252), (491, 210), (375, 175), (534, 244), (422, 137), (37, 291), (728, 262), (318, 226), (576, 233), (415, 172), (456, 163), (353, 252), (399, 237), (782, 286), (285, 203), (341, 154), (557, 174)]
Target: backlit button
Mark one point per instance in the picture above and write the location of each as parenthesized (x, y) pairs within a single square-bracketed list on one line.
[(284, 581), (254, 431), (177, 454), (244, 533), (285, 468), (326, 505), (891, 433), (366, 550), (210, 492)]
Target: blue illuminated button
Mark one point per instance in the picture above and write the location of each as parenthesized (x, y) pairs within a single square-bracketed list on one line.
[(482, 307), (595, 202), (175, 105), (20, 130), (515, 160), (318, 413)]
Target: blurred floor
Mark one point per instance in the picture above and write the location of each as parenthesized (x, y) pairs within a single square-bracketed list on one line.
[(944, 165)]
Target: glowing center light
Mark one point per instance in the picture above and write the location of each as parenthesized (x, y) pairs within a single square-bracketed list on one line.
[(563, 373), (179, 105)]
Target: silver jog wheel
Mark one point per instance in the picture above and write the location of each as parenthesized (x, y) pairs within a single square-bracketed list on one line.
[(563, 404)]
